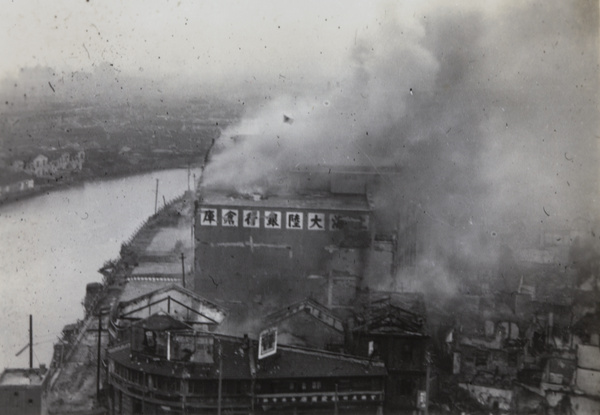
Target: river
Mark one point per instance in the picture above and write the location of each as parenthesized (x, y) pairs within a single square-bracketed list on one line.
[(52, 245)]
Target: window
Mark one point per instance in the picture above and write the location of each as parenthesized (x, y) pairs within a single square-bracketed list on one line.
[(316, 385)]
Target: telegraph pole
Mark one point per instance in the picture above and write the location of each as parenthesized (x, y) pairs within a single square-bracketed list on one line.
[(335, 400), (30, 341), (156, 197), (182, 270), (99, 357), (220, 392), (427, 378)]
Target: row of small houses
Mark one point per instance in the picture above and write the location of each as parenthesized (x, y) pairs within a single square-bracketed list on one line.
[(15, 183), (43, 166), (19, 177)]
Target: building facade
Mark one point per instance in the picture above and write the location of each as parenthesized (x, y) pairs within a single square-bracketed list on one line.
[(23, 391), (168, 367)]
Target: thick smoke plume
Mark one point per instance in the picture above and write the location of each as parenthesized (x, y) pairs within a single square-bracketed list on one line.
[(489, 111)]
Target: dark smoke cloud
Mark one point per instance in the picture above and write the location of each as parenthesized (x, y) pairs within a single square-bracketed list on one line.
[(490, 111)]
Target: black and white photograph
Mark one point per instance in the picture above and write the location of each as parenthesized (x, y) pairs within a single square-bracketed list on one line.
[(386, 207)]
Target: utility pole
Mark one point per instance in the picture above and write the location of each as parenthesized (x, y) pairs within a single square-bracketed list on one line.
[(99, 357), (335, 400), (156, 197), (188, 177), (427, 376), (30, 341), (220, 379), (182, 270)]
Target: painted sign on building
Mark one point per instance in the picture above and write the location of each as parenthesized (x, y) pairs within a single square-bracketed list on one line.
[(267, 343), (229, 217), (251, 219), (208, 217), (316, 221), (338, 222), (294, 220), (272, 219)]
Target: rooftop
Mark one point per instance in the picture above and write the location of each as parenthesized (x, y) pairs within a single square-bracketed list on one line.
[(22, 377), (135, 289), (289, 362), (160, 268), (311, 200), (392, 313)]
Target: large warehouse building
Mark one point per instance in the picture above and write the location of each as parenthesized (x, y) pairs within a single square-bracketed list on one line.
[(317, 233)]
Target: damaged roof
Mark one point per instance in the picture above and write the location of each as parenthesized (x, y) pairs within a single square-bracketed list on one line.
[(390, 313), (176, 300), (310, 307)]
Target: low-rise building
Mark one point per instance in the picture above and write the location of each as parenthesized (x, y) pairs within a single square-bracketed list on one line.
[(168, 367), (587, 380), (174, 300), (23, 391), (308, 323), (392, 327), (14, 183)]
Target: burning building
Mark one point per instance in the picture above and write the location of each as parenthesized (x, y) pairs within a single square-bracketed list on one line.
[(317, 233)]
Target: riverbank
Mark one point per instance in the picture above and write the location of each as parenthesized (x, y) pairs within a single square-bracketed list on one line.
[(54, 244), (160, 240), (102, 172)]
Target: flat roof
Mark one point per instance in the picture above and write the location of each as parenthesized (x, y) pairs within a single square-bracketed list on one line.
[(22, 377), (320, 201)]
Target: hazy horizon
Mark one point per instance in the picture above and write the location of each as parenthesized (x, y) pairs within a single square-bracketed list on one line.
[(490, 109)]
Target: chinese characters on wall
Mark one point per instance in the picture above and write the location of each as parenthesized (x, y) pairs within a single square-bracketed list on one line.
[(274, 219)]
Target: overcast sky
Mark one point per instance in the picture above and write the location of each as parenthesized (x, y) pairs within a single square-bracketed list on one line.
[(244, 39), (491, 108)]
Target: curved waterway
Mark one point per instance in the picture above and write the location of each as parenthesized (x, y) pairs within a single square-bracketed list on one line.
[(52, 245)]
